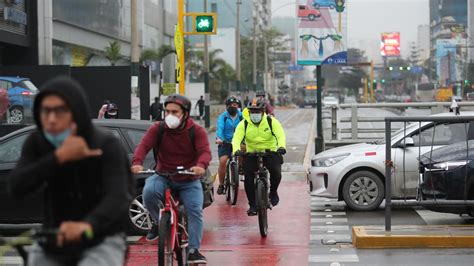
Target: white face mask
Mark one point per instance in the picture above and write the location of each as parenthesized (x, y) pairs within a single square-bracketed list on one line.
[(256, 118), (172, 121)]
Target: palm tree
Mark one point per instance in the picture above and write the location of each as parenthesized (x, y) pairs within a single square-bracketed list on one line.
[(112, 52), (215, 63), (159, 54)]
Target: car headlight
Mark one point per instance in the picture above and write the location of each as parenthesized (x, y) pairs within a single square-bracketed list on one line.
[(328, 161), (450, 165)]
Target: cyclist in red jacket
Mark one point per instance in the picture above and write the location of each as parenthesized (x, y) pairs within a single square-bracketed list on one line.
[(174, 147)]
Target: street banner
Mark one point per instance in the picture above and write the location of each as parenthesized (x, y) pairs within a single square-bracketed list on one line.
[(322, 32), (179, 46)]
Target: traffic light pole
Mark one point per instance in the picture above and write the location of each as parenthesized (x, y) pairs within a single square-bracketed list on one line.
[(319, 141), (207, 116)]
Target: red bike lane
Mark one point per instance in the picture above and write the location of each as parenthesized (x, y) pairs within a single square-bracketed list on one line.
[(233, 238)]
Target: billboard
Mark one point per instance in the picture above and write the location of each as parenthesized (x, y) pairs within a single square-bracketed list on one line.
[(390, 45), (449, 60), (322, 32)]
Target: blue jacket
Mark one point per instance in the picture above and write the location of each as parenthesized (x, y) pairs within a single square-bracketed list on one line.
[(226, 126)]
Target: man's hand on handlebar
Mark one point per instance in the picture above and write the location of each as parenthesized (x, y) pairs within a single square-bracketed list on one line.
[(136, 169), (239, 153), (72, 232), (281, 151), (219, 141), (198, 170)]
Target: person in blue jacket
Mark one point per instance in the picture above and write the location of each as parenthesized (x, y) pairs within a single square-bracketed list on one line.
[(226, 125)]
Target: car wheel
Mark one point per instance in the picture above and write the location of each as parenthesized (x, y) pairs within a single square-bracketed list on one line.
[(139, 221), (16, 115), (363, 191), (311, 17)]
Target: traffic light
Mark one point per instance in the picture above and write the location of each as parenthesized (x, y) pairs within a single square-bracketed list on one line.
[(466, 82), (374, 84), (383, 81), (340, 5), (390, 68), (204, 23)]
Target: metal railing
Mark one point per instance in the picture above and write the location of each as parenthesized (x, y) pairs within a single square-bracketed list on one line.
[(389, 166), (356, 132)]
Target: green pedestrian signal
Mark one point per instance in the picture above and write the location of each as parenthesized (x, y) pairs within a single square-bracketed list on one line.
[(204, 24), (383, 80), (390, 68)]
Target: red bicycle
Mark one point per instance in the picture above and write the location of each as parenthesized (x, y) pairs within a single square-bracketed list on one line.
[(173, 226)]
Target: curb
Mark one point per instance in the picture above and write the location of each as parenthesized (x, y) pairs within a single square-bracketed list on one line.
[(438, 236)]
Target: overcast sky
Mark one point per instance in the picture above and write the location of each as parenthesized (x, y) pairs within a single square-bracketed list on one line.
[(367, 19)]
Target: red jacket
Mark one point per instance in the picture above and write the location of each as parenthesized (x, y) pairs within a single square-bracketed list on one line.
[(175, 149)]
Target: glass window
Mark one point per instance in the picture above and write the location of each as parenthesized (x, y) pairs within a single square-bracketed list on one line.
[(5, 84), (10, 150), (444, 134), (135, 137), (116, 134)]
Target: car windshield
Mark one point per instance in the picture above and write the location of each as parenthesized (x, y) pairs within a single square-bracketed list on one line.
[(29, 85)]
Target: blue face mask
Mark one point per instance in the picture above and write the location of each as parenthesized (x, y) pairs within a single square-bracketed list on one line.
[(58, 139)]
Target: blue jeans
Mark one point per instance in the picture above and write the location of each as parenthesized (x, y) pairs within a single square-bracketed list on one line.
[(190, 193)]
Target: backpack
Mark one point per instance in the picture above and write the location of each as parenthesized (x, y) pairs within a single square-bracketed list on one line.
[(206, 180)]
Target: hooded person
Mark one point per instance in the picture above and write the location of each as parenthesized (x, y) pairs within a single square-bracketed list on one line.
[(85, 175)]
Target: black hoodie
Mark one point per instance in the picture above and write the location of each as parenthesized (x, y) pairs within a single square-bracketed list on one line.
[(94, 190)]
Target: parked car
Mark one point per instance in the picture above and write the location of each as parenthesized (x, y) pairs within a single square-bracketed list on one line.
[(448, 174), (21, 92), (355, 173), (330, 101), (310, 13), (30, 210), (324, 3)]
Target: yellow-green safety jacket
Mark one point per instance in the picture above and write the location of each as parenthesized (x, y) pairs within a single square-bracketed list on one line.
[(259, 137)]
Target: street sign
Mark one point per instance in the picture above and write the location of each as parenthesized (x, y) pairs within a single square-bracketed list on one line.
[(179, 46), (169, 88), (322, 32)]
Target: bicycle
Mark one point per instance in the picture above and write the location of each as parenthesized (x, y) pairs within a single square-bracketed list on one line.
[(231, 182), (172, 230), (262, 190)]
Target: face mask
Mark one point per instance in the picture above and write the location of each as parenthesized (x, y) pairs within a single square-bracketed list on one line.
[(256, 118), (58, 139), (232, 110), (172, 121)]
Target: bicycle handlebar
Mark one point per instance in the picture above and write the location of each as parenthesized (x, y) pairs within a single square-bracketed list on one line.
[(257, 153), (179, 170)]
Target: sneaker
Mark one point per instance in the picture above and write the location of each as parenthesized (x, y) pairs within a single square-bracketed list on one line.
[(153, 233), (196, 258), (252, 211), (220, 190), (274, 199)]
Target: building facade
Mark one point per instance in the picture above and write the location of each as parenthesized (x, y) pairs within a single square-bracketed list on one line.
[(449, 40), (18, 32), (76, 33), (423, 42)]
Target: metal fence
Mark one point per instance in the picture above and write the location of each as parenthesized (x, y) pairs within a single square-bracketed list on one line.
[(359, 134), (390, 164)]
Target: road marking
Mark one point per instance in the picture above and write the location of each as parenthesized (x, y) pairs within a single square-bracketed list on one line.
[(324, 214), (333, 220), (332, 227), (318, 237), (334, 258)]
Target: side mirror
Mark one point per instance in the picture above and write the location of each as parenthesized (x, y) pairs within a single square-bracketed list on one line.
[(407, 142)]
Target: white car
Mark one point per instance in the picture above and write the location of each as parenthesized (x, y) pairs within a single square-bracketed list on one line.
[(356, 173), (329, 101)]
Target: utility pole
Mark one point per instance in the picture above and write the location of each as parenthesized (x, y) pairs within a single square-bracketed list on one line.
[(207, 109), (319, 141), (237, 45), (135, 49), (265, 59)]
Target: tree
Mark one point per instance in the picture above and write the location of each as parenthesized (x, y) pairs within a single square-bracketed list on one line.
[(196, 66), (274, 43), (158, 54), (352, 78), (112, 52)]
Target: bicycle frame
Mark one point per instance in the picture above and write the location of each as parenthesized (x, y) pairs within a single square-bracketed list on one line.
[(172, 206)]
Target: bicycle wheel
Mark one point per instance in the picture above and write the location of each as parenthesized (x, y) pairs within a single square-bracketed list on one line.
[(262, 203), (165, 250), (234, 182), (227, 183), (181, 250)]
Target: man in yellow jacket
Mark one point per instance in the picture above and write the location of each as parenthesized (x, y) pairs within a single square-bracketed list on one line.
[(261, 133)]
